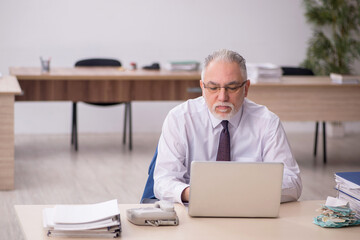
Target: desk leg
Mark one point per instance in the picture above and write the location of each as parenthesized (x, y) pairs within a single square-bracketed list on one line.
[(7, 142)]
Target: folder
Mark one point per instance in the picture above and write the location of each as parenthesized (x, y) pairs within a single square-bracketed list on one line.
[(91, 220), (348, 186)]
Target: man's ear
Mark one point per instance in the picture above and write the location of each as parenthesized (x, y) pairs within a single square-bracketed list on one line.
[(247, 86), (202, 87)]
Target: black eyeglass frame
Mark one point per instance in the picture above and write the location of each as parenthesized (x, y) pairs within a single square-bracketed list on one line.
[(227, 88)]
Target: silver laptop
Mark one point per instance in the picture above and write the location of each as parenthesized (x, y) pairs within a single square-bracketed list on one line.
[(235, 189)]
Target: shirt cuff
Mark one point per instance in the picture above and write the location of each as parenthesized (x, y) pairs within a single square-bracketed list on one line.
[(178, 191)]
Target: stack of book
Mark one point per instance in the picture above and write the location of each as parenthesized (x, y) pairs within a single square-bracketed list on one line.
[(265, 72), (183, 66), (348, 186), (94, 220)]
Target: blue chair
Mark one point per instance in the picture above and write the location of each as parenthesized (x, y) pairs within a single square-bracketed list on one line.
[(148, 195)]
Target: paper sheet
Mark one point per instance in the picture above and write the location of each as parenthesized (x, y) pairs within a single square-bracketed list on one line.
[(68, 214)]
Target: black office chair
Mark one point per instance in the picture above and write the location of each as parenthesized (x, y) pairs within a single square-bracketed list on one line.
[(297, 71), (100, 62)]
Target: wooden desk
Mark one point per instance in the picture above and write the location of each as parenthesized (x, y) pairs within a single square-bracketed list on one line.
[(299, 98), (294, 222), (292, 99), (104, 84), (9, 86), (305, 98)]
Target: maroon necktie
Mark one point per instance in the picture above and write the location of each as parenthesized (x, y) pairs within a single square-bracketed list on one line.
[(224, 143)]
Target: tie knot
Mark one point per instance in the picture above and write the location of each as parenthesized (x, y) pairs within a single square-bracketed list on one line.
[(224, 123)]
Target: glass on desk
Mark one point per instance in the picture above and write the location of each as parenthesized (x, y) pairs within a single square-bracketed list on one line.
[(45, 64)]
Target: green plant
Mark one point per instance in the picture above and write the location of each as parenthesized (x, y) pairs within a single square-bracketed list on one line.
[(335, 44)]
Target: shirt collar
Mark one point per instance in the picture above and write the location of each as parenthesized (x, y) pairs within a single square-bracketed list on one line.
[(234, 121)]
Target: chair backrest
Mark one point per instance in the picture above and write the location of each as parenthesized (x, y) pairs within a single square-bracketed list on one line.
[(288, 71), (98, 62), (149, 186)]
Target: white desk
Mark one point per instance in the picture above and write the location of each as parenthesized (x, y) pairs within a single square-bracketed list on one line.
[(294, 222)]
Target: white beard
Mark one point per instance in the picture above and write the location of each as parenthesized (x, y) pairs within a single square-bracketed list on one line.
[(221, 116)]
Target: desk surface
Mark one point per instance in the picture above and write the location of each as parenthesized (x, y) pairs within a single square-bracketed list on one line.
[(115, 73), (9, 85), (101, 73), (294, 222)]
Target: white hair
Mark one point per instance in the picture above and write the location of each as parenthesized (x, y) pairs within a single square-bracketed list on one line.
[(227, 56)]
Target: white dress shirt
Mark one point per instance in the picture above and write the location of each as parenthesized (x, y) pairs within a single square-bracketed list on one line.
[(191, 133)]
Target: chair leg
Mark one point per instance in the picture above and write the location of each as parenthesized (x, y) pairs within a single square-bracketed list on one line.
[(324, 140), (72, 123), (130, 127), (74, 134), (125, 122), (76, 131), (316, 137)]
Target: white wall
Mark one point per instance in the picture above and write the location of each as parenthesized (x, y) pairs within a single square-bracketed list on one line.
[(143, 31)]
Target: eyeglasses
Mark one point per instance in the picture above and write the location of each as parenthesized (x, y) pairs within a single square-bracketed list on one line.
[(232, 88)]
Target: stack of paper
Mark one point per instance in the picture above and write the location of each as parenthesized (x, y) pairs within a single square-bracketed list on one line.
[(93, 220), (183, 66), (336, 213), (348, 185), (344, 79), (265, 72)]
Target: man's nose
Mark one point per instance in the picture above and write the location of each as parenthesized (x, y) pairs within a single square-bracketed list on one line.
[(223, 95)]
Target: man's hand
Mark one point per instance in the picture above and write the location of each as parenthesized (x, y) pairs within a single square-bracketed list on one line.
[(185, 195)]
